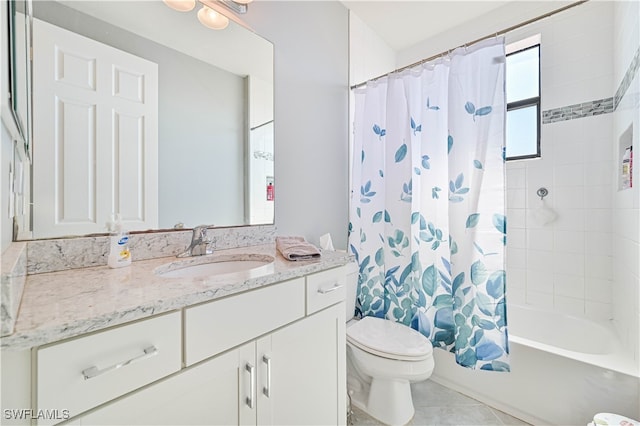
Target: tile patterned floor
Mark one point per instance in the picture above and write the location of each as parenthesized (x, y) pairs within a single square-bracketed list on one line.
[(438, 405)]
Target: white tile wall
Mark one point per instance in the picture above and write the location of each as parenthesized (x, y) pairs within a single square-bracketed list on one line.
[(567, 265), (625, 243), (578, 55), (569, 305)]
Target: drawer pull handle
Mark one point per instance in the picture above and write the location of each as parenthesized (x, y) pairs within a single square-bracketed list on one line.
[(330, 289), (94, 371), (267, 389), (252, 379)]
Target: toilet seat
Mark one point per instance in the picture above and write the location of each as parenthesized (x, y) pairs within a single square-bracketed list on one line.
[(389, 339)]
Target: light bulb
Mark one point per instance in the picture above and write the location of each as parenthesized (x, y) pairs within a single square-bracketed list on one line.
[(181, 5), (212, 19)]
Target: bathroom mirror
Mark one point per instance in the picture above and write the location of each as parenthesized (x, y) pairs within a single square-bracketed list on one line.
[(18, 102), (214, 120)]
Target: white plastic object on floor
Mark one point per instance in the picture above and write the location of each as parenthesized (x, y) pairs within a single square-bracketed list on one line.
[(610, 419)]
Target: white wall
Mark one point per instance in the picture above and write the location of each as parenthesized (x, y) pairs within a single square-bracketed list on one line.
[(200, 148), (369, 55), (260, 170), (626, 203), (311, 112)]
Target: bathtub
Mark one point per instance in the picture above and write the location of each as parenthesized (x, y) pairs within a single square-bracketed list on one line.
[(564, 370)]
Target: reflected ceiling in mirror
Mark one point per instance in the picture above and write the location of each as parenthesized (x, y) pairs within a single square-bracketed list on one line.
[(214, 127)]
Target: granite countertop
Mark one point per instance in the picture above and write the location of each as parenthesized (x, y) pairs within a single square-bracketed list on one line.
[(59, 305)]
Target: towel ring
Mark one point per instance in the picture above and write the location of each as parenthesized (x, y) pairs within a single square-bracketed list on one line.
[(542, 192)]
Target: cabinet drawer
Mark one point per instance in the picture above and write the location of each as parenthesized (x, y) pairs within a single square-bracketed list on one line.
[(220, 325), (79, 374), (325, 289)]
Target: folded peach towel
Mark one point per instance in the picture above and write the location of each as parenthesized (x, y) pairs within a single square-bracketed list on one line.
[(296, 248)]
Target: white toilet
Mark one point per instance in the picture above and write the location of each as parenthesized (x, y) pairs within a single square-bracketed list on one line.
[(383, 359)]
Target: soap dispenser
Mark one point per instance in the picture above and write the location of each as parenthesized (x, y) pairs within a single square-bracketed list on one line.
[(119, 254)]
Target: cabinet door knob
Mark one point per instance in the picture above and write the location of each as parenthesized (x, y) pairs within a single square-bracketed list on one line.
[(267, 389), (252, 380), (94, 371)]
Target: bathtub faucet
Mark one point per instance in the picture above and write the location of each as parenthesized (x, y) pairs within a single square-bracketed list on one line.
[(201, 243)]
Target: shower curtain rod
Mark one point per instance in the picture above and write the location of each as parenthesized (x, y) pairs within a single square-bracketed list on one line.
[(496, 34)]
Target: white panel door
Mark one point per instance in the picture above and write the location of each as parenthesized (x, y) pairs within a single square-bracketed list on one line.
[(95, 135)]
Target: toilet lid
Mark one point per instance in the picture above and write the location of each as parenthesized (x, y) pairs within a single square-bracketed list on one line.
[(389, 339)]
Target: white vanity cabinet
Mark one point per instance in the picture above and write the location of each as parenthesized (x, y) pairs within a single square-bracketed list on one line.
[(293, 372), (269, 356)]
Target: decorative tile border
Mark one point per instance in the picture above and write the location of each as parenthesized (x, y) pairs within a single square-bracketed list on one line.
[(628, 77), (601, 106), (585, 109)]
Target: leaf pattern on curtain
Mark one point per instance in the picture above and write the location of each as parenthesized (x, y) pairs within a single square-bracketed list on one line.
[(427, 223)]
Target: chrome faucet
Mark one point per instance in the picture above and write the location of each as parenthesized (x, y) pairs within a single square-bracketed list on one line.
[(201, 244)]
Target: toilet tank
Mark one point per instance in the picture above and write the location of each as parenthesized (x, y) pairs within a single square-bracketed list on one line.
[(352, 287)]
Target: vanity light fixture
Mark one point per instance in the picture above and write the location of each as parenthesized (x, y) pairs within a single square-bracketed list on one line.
[(238, 6), (181, 5), (207, 16), (212, 19)]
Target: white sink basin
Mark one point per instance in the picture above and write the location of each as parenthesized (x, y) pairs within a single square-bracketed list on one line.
[(203, 267)]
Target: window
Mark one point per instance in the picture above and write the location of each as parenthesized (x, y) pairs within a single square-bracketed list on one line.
[(523, 100)]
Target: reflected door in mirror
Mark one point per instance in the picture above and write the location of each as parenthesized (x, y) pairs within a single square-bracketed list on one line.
[(96, 109)]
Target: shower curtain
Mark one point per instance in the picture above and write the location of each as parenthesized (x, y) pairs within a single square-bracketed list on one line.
[(427, 223)]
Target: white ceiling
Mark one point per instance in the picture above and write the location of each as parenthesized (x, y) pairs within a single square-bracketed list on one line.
[(402, 24)]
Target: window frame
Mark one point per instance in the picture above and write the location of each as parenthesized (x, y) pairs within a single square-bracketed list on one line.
[(529, 102)]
